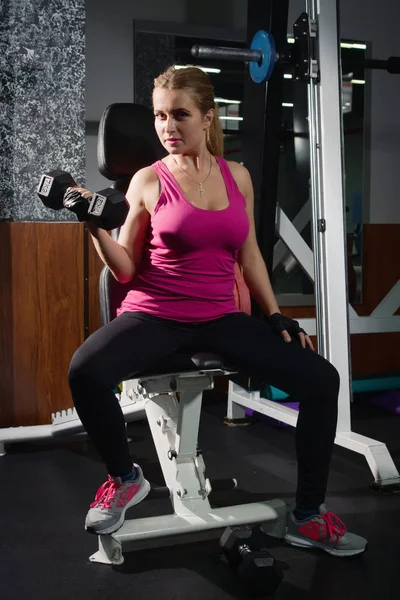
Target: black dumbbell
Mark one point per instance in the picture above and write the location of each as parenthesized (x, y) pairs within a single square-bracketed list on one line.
[(254, 566), (107, 208)]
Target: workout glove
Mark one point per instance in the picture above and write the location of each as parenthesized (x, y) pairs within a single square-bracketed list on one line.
[(281, 323), (76, 203)]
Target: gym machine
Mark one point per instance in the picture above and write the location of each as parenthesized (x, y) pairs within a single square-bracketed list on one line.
[(314, 61)]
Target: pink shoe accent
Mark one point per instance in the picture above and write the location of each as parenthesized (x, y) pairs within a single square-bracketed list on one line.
[(323, 527), (127, 495), (105, 495)]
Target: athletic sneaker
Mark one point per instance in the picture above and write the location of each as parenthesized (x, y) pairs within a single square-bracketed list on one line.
[(326, 532), (113, 498)]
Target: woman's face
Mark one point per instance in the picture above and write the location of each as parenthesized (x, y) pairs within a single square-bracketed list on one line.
[(179, 124)]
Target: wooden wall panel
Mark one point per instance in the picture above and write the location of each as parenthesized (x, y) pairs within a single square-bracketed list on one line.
[(377, 353), (6, 328), (381, 264), (43, 314)]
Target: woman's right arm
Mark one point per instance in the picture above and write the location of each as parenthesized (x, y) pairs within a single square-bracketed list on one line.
[(124, 257)]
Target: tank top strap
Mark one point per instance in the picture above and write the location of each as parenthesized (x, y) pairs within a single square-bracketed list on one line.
[(229, 179), (164, 175)]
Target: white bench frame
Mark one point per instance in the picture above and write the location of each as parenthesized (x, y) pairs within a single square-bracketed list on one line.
[(172, 404)]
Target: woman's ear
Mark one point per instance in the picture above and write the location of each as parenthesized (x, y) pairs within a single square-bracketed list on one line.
[(209, 117)]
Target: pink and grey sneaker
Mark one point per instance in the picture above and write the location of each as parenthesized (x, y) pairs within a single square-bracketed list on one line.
[(113, 498), (326, 532)]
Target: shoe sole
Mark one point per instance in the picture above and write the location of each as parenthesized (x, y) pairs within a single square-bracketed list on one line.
[(302, 543), (141, 495)]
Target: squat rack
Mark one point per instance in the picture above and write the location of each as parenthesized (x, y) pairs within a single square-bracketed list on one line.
[(315, 60)]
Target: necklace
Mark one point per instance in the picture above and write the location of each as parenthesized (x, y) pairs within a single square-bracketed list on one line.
[(200, 187)]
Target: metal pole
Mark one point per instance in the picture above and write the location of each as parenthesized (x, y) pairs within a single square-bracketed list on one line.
[(222, 53), (327, 190)]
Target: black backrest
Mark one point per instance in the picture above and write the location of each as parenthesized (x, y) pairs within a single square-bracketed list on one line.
[(127, 142)]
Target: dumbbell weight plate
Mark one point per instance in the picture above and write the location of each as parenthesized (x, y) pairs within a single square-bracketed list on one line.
[(108, 208), (255, 567), (260, 572), (52, 187), (232, 539)]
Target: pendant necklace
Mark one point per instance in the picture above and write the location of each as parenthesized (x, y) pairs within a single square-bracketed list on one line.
[(200, 187)]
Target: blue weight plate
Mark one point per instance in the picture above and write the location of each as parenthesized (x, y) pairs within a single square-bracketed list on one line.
[(265, 42)]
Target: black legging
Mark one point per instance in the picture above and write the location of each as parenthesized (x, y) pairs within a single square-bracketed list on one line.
[(135, 342)]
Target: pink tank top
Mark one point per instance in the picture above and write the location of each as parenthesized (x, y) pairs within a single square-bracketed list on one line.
[(188, 268)]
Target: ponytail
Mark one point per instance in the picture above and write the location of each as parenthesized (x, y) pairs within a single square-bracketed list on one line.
[(215, 136)]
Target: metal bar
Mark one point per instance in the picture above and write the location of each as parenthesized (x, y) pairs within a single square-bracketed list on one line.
[(376, 453), (166, 525), (391, 65), (187, 430), (272, 409), (296, 244), (326, 145), (299, 222), (222, 53), (372, 63), (389, 304), (360, 325)]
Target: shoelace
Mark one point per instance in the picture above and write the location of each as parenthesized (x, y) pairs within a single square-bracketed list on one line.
[(106, 493), (334, 526)]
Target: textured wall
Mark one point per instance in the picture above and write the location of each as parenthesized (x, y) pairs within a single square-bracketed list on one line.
[(42, 106), (153, 53)]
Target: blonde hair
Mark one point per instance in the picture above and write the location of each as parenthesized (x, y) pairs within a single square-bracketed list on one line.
[(198, 85)]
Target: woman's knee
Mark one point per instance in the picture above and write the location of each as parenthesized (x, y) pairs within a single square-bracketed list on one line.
[(81, 371), (327, 380)]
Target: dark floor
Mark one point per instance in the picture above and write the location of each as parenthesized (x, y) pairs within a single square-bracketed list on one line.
[(46, 489)]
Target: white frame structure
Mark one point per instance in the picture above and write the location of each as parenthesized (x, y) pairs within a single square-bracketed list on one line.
[(174, 425), (335, 318)]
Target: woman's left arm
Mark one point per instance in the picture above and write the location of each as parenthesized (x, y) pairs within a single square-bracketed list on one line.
[(250, 258), (255, 272)]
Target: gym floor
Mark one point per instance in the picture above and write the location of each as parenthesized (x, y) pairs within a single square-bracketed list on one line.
[(46, 490)]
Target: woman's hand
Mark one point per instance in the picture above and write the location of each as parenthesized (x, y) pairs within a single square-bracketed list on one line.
[(288, 328), (77, 200)]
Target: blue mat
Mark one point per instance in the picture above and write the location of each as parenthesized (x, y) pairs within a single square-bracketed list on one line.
[(359, 386)]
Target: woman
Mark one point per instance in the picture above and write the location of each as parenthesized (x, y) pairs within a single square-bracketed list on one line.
[(190, 219)]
